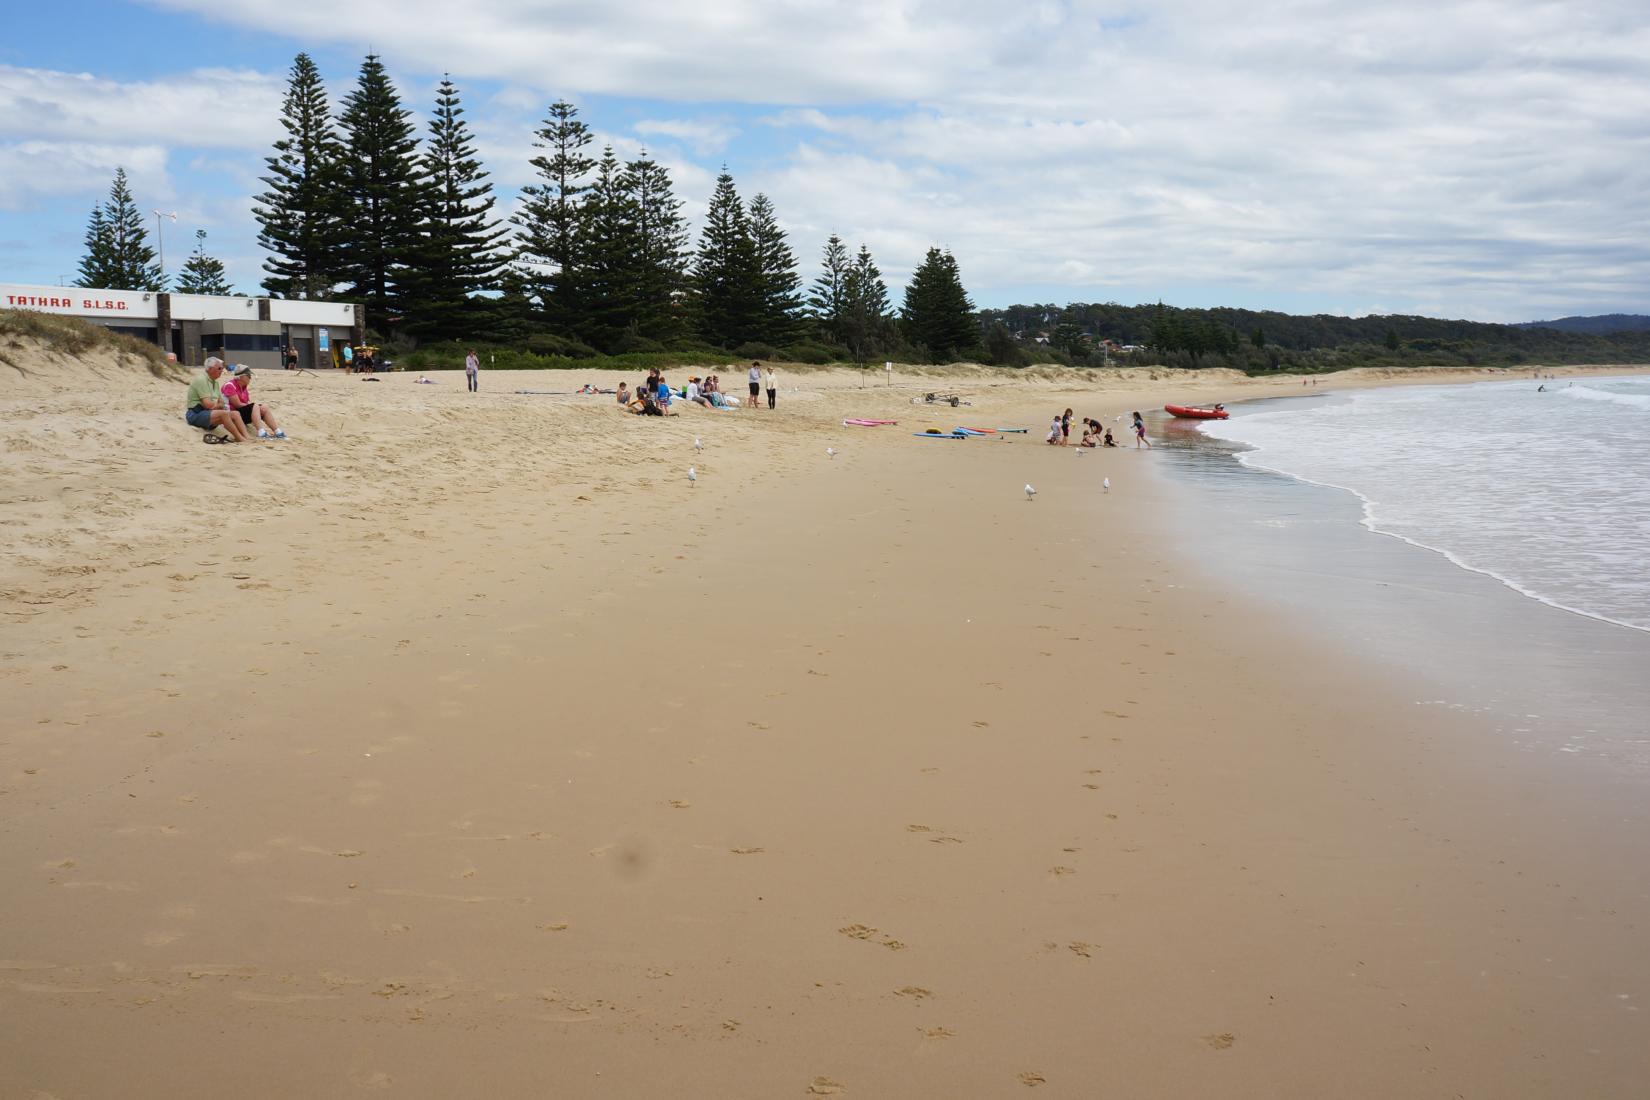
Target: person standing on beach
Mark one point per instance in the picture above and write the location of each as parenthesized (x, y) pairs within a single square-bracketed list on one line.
[(755, 377), (472, 371), (770, 378), (1065, 428), (1140, 433)]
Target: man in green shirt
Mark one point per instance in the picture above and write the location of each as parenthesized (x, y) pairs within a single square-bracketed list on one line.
[(205, 408)]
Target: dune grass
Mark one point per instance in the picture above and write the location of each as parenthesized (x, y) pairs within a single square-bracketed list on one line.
[(74, 338)]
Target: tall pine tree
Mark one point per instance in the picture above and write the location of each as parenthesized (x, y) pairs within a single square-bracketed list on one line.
[(459, 253), (118, 256), (660, 254), (549, 215), (937, 313), (202, 274), (864, 307), (385, 186), (300, 216), (725, 285), (777, 282), (607, 247), (827, 299), (97, 266)]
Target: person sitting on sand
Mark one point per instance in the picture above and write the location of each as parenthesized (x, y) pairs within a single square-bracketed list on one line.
[(204, 406), (259, 415), (623, 396), (1109, 441), (1054, 431), (1091, 437)]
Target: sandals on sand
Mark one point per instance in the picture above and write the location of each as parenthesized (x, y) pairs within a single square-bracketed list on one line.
[(210, 437)]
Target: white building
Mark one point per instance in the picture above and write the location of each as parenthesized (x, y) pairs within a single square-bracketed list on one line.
[(254, 331)]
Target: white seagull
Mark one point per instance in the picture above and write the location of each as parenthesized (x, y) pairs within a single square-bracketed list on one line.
[(693, 476), (1105, 484), (698, 446), (830, 452), (1030, 492)]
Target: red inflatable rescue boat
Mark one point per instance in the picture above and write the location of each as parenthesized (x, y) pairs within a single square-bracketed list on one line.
[(1193, 412)]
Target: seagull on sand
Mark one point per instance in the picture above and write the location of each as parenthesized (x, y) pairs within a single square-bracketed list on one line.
[(830, 452), (698, 446), (1030, 492), (1105, 484), (693, 476)]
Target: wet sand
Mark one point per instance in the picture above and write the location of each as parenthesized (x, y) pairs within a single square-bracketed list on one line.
[(486, 753)]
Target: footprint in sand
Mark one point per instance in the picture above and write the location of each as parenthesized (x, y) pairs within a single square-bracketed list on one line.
[(824, 1086), (937, 1033), (746, 851), (1081, 949), (1222, 1041), (679, 804), (914, 992), (1031, 1079), (1060, 872)]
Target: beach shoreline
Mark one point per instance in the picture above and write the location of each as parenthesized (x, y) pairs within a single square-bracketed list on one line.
[(492, 752)]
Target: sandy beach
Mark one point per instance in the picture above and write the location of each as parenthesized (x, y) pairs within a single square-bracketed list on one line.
[(462, 746)]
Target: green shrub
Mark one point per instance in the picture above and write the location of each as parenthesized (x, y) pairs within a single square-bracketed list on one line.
[(808, 353), (753, 350)]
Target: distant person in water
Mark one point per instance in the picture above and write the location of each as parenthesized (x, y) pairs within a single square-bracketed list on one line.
[(1140, 433)]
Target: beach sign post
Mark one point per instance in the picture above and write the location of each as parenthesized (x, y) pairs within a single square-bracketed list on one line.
[(888, 373)]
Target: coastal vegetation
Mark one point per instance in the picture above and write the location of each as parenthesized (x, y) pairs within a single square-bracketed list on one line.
[(598, 266)]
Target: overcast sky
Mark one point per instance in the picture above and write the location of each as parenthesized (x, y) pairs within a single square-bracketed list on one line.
[(1485, 160)]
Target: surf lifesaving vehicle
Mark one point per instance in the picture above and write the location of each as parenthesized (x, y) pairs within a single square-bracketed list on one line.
[(1197, 412)]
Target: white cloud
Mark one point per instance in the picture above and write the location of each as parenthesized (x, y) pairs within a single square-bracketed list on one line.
[(703, 136), (206, 108), (32, 170), (1463, 157)]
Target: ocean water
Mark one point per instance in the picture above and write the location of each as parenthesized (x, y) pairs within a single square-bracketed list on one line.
[(1547, 492)]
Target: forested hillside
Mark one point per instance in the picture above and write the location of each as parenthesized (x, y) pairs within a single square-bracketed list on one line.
[(1087, 334)]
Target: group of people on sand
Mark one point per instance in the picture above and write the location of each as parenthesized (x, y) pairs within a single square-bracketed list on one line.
[(1095, 434), (214, 402), (654, 396)]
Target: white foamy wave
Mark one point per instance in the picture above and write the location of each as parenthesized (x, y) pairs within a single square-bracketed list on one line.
[(1551, 499), (1588, 393)]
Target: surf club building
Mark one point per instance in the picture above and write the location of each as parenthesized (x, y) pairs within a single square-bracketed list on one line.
[(254, 331)]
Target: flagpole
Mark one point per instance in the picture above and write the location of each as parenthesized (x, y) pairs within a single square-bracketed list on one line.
[(160, 242)]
